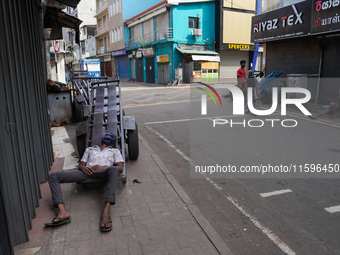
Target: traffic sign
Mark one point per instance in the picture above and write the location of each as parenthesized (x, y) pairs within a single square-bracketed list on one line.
[(56, 45)]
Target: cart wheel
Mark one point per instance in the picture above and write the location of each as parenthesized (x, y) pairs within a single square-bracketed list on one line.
[(81, 144), (78, 111), (133, 144)]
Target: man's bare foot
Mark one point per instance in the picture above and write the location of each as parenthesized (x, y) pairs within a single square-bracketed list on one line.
[(61, 217), (312, 117), (105, 223)]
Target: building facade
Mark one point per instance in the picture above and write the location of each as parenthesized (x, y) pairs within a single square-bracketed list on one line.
[(173, 41), (233, 35), (302, 39), (103, 38)]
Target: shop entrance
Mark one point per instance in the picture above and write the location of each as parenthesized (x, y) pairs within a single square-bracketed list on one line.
[(163, 73), (150, 70), (139, 70)]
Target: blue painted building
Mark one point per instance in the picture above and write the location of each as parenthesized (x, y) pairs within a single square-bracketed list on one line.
[(112, 33), (173, 41)]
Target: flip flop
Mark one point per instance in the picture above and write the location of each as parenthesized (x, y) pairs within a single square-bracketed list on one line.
[(58, 223), (104, 229)]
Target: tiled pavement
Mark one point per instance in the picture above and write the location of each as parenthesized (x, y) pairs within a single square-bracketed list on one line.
[(152, 217)]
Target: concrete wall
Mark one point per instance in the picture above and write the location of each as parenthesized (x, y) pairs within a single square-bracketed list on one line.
[(148, 26), (162, 21), (206, 13), (138, 30), (86, 11)]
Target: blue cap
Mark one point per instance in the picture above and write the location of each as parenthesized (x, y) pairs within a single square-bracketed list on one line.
[(109, 139)]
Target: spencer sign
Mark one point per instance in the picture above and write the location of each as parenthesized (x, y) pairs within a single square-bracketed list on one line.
[(287, 22), (325, 16)]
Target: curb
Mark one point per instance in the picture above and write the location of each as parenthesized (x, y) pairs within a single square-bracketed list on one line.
[(212, 235)]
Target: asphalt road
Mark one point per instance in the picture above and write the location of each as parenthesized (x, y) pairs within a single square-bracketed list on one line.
[(302, 216)]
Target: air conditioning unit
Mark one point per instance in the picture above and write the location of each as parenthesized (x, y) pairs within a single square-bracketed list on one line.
[(197, 32)]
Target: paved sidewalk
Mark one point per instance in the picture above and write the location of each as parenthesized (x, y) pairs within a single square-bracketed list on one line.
[(153, 217)]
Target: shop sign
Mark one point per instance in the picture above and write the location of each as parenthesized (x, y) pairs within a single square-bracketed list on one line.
[(139, 54), (325, 16), (232, 46), (210, 65), (196, 75), (118, 53), (288, 22), (107, 58), (148, 52), (163, 58)]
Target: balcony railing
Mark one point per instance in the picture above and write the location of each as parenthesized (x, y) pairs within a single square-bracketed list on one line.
[(150, 37), (101, 9), (103, 50)]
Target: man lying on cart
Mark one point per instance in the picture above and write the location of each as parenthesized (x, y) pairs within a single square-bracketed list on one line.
[(100, 163)]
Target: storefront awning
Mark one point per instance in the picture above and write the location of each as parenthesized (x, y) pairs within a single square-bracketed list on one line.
[(196, 52), (201, 55), (205, 58), (56, 19), (72, 3)]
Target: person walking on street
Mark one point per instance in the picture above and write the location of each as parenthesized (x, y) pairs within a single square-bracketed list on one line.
[(241, 77)]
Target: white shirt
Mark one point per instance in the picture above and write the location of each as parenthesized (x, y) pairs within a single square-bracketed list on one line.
[(105, 157)]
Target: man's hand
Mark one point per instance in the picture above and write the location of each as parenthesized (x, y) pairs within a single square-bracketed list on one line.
[(86, 170), (97, 167), (120, 166)]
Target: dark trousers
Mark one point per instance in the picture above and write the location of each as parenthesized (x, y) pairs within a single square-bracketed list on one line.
[(109, 174)]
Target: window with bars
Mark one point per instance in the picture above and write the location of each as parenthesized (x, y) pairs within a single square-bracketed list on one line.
[(104, 21), (100, 23), (193, 22), (118, 6)]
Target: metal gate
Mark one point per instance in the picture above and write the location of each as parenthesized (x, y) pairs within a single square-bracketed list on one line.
[(150, 70), (123, 63), (140, 71), (133, 68), (163, 73), (26, 146)]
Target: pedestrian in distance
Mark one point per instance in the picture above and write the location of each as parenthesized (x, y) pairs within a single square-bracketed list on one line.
[(99, 163), (241, 77), (331, 109)]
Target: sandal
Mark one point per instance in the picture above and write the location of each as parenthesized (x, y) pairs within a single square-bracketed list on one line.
[(57, 221), (106, 229)]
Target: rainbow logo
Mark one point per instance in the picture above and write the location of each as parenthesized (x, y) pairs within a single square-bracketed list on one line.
[(209, 93)]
